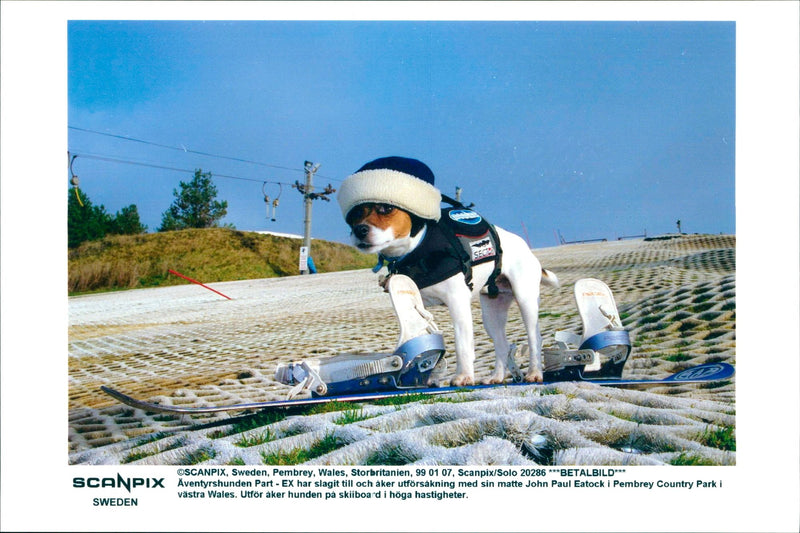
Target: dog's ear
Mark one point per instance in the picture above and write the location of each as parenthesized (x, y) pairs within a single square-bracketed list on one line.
[(417, 224)]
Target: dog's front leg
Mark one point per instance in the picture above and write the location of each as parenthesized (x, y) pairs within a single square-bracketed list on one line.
[(463, 331), (458, 298)]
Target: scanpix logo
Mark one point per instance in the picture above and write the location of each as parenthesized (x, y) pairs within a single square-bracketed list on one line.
[(465, 216), (126, 483)]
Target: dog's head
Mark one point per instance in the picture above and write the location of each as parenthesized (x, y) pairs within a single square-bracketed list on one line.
[(386, 203), (383, 228)]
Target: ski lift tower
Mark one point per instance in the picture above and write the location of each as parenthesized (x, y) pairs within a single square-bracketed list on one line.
[(308, 197)]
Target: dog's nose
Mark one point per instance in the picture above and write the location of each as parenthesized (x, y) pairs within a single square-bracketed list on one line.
[(361, 230)]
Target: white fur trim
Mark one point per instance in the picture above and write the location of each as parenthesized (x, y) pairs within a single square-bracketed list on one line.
[(390, 187)]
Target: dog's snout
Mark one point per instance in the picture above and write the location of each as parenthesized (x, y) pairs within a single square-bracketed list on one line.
[(360, 230)]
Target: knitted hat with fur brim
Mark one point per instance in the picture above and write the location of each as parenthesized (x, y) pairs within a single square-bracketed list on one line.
[(400, 181)]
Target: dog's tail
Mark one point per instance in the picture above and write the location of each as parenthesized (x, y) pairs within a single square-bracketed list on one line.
[(548, 278)]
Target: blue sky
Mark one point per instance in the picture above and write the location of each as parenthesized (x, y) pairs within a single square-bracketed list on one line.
[(593, 129)]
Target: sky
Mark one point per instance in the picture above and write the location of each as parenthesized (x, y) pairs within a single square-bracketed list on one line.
[(585, 130)]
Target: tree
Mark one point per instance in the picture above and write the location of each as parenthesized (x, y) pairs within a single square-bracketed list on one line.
[(85, 222), (127, 222), (195, 205), (88, 222)]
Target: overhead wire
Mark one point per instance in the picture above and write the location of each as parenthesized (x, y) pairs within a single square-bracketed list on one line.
[(114, 159), (163, 167), (190, 151)]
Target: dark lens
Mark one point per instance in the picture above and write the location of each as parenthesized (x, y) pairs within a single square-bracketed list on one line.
[(357, 213)]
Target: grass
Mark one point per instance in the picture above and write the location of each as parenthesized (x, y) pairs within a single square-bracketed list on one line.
[(689, 459), (153, 437), (548, 391), (120, 262), (351, 416), (402, 399), (678, 357), (296, 456), (455, 396), (198, 456), (547, 314), (246, 441), (331, 407), (622, 416), (722, 438), (702, 295), (715, 384), (141, 454), (701, 307), (651, 319), (134, 456), (393, 456)]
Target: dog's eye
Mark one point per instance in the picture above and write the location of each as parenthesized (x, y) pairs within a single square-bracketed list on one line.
[(356, 214), (384, 209)]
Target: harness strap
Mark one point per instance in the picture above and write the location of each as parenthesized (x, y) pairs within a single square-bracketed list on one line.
[(491, 283), (466, 260)]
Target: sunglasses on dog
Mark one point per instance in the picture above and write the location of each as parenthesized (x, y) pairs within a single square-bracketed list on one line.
[(362, 210)]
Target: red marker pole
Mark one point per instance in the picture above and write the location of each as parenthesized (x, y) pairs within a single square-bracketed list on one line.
[(195, 281)]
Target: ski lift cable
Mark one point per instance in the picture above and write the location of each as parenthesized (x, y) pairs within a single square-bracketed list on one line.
[(164, 167), (187, 150)]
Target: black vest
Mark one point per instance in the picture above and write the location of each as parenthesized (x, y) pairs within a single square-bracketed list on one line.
[(460, 239)]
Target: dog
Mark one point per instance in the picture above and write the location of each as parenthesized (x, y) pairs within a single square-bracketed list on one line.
[(394, 232)]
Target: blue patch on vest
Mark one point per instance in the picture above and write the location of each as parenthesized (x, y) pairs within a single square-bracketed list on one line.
[(465, 216)]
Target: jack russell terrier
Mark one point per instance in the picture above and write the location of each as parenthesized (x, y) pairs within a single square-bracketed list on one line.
[(393, 209)]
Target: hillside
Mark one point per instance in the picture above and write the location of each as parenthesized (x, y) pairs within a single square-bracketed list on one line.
[(208, 255)]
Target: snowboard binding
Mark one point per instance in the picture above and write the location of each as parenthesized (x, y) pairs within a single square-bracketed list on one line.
[(603, 348), (419, 348)]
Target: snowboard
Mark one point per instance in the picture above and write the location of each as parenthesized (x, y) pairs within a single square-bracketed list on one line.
[(697, 374)]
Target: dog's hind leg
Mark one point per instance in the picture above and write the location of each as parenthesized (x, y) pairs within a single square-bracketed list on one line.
[(530, 315), (528, 303), (524, 272), (495, 315), (527, 297)]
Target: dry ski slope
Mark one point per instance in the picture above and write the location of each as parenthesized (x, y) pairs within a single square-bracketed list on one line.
[(187, 346)]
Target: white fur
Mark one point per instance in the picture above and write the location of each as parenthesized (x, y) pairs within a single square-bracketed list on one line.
[(521, 275)]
